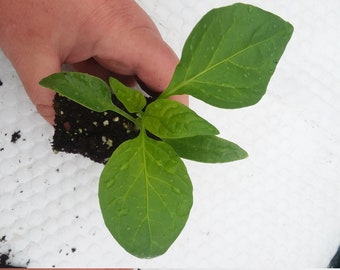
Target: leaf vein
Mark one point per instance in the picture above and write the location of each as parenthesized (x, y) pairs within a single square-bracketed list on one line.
[(209, 68)]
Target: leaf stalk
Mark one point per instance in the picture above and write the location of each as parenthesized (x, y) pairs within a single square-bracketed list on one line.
[(129, 117)]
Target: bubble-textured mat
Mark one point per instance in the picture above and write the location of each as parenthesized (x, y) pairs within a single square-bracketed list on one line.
[(278, 208)]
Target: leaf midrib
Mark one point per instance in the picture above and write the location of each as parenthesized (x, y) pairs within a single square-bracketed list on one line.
[(188, 81), (147, 202)]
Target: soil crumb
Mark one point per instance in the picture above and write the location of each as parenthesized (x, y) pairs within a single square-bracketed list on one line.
[(335, 262), (6, 256), (15, 136)]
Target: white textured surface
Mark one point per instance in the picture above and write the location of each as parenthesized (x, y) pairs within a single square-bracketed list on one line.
[(280, 207)]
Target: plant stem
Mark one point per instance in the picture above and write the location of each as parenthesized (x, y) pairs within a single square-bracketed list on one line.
[(124, 114)]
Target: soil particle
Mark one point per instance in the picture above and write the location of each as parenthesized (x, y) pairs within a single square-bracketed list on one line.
[(335, 262), (82, 131), (1, 83), (15, 136), (4, 260), (73, 250), (5, 257)]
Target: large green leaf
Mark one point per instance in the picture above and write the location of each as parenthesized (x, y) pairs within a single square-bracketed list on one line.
[(133, 100), (230, 56), (87, 90), (210, 149), (170, 119), (145, 196)]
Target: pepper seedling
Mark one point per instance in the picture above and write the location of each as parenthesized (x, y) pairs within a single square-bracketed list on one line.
[(145, 192)]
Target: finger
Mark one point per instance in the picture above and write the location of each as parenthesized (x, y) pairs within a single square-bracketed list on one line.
[(180, 98), (91, 67), (153, 62), (184, 99), (145, 55), (31, 68), (157, 64), (134, 46)]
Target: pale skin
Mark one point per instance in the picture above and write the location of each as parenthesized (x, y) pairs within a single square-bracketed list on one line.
[(100, 37)]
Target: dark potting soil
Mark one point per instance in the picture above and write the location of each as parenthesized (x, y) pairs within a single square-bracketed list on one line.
[(4, 261), (15, 136), (335, 262), (5, 257), (82, 131)]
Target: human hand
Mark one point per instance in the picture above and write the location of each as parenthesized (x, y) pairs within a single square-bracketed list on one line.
[(103, 37)]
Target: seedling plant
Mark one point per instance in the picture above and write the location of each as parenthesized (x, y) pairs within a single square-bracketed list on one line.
[(145, 192)]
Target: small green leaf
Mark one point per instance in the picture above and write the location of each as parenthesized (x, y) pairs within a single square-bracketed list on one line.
[(230, 56), (210, 149), (169, 119), (145, 196), (87, 90), (132, 100)]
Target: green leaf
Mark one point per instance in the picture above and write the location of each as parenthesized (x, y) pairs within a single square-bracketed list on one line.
[(230, 56), (169, 119), (145, 196), (132, 100), (210, 149), (87, 90)]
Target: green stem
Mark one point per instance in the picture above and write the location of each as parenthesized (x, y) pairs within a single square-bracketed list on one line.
[(124, 114)]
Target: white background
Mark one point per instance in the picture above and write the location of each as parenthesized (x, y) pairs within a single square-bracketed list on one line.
[(279, 207)]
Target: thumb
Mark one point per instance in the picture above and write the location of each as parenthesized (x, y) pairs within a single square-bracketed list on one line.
[(31, 68), (157, 63), (150, 58)]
